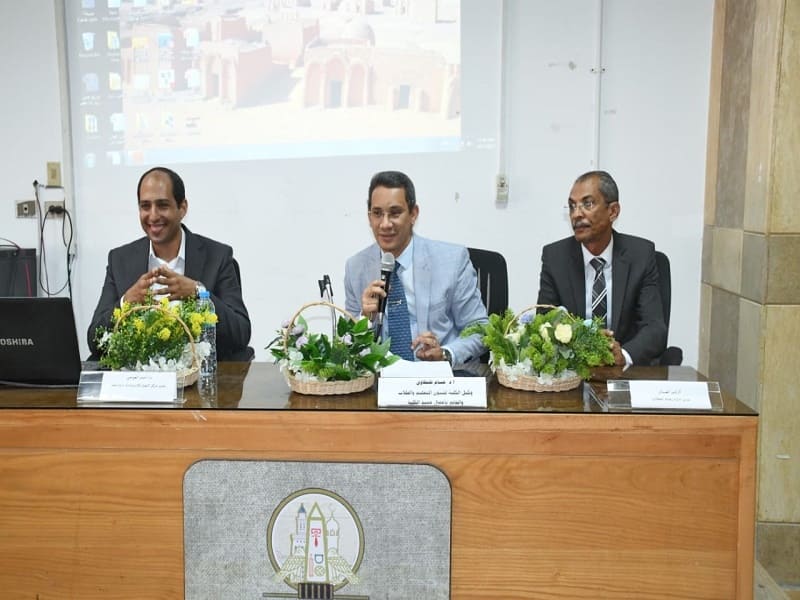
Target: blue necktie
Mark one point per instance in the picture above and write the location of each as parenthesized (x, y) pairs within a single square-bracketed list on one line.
[(599, 289), (397, 318)]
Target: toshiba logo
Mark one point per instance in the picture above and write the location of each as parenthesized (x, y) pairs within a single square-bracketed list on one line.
[(16, 342)]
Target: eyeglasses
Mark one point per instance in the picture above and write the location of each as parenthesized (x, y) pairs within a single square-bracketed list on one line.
[(377, 214), (585, 205)]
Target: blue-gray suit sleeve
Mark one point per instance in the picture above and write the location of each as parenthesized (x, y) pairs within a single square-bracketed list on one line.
[(352, 289), (467, 308)]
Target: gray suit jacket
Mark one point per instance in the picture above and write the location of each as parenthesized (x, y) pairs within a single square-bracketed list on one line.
[(637, 317), (446, 293), (207, 261)]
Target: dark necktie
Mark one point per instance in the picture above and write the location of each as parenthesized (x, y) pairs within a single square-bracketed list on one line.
[(599, 289), (398, 320)]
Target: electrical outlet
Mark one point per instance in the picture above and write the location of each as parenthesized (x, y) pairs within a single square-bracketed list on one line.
[(26, 209), (54, 174), (502, 188), (55, 208)]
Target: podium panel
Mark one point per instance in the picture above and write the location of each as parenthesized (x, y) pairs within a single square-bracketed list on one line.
[(549, 498)]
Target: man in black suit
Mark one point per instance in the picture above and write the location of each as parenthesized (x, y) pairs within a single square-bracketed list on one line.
[(173, 261), (632, 301)]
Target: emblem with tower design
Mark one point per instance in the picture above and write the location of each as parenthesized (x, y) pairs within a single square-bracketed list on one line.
[(315, 538)]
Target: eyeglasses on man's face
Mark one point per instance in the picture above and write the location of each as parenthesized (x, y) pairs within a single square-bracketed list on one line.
[(586, 205), (377, 214)]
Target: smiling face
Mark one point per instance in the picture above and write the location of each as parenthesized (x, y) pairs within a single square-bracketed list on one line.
[(591, 224), (160, 215), (391, 221)]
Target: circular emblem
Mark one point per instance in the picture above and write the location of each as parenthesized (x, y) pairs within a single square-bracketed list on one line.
[(315, 536)]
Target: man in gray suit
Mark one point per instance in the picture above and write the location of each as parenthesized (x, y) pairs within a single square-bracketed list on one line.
[(632, 301), (173, 261), (439, 282)]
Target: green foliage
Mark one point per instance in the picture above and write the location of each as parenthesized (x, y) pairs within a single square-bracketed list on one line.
[(151, 333), (544, 343), (351, 354)]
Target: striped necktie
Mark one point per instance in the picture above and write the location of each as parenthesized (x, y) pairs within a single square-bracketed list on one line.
[(599, 289), (397, 318)]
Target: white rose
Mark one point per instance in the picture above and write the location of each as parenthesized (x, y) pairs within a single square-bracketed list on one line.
[(563, 333), (543, 331)]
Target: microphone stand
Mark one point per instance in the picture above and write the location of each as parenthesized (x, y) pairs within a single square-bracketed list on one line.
[(326, 293)]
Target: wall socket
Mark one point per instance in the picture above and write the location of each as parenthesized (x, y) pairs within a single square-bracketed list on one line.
[(53, 204), (26, 209), (54, 174)]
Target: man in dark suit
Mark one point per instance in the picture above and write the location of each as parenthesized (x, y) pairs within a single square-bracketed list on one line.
[(172, 261), (631, 300)]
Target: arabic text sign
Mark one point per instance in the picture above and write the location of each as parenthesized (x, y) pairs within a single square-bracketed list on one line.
[(432, 392), (680, 395)]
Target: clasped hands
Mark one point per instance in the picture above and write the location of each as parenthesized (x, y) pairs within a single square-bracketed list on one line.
[(425, 346), (166, 281)]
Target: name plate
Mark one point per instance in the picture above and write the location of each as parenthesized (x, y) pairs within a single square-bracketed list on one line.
[(680, 395), (427, 392), (143, 387)]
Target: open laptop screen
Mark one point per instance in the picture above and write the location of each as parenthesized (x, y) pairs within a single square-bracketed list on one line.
[(38, 342)]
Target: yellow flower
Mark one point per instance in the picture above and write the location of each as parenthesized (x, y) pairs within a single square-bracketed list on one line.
[(164, 334), (563, 333), (117, 313), (164, 302), (210, 318), (138, 324), (195, 330)]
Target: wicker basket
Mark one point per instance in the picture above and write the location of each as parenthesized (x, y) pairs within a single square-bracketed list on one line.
[(323, 388), (184, 377), (532, 383)]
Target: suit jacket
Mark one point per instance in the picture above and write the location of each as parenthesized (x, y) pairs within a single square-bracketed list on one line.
[(446, 293), (207, 261), (637, 318)]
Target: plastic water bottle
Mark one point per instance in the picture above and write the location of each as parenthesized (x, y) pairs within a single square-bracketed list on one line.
[(208, 366)]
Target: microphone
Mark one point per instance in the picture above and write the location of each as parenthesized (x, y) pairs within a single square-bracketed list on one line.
[(387, 267)]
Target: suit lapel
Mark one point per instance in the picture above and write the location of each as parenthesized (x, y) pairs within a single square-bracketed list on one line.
[(422, 283), (621, 268), (195, 256), (577, 279)]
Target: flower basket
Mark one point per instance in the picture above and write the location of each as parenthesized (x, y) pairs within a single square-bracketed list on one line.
[(549, 352), (186, 376), (534, 383), (315, 365), (152, 336)]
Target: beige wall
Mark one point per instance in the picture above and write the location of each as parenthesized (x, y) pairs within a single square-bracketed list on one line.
[(750, 306)]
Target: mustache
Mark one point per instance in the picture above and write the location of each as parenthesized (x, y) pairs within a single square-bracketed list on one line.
[(580, 223)]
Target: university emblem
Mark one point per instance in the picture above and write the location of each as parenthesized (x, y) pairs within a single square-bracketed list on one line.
[(315, 543)]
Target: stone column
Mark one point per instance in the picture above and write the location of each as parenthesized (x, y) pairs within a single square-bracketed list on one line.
[(750, 294)]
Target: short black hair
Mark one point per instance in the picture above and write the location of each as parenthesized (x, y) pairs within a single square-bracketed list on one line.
[(605, 183), (393, 180), (178, 189)]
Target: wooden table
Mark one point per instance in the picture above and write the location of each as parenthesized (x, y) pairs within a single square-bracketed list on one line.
[(551, 496)]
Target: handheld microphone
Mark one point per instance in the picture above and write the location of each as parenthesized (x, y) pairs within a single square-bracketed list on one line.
[(387, 267)]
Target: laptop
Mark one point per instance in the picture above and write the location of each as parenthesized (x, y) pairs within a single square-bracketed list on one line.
[(38, 342)]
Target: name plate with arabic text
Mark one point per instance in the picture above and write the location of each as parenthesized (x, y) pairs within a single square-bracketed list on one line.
[(432, 392), (128, 387)]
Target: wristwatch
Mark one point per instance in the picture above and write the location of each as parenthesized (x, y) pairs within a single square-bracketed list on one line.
[(447, 355), (198, 287)]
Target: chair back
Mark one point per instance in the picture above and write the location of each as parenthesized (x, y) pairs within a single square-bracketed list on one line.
[(492, 279), (672, 355)]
